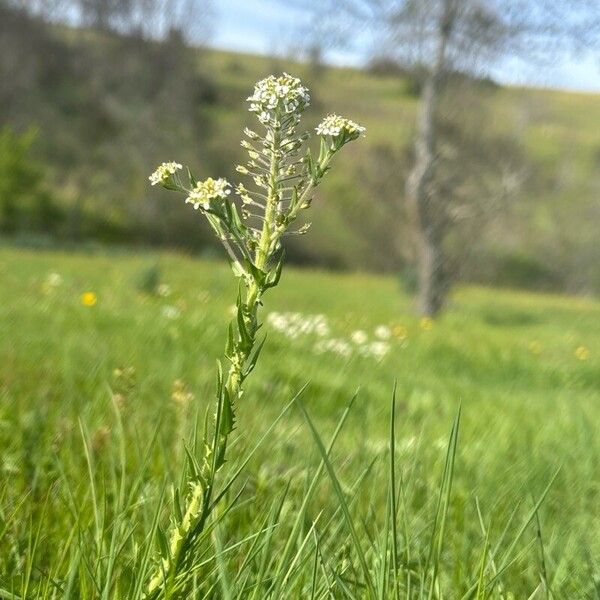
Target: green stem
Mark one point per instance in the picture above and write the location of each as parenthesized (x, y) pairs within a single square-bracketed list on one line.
[(264, 244), (198, 500)]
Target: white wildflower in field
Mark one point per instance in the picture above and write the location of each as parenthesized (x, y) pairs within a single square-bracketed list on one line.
[(163, 290), (359, 337), (207, 191), (342, 347), (294, 325), (322, 328), (337, 346), (164, 172), (376, 349), (170, 312), (383, 332), (54, 279), (335, 126)]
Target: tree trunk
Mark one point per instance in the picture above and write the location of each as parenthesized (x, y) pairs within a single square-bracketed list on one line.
[(427, 219), (432, 273)]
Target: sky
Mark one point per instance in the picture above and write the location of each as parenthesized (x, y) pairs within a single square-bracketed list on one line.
[(269, 26)]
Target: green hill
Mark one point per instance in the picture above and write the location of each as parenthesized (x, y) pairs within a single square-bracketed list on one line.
[(523, 162), (549, 225)]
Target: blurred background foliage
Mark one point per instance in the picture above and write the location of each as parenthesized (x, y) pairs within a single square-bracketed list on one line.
[(89, 106)]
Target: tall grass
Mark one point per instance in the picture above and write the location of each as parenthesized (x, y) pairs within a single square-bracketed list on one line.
[(366, 541), (523, 415)]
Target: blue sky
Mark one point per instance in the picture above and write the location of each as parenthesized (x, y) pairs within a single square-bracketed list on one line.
[(268, 26)]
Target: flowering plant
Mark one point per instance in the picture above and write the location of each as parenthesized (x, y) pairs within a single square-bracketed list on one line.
[(283, 182)]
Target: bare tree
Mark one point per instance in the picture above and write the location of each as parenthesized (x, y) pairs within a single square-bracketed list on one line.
[(438, 38)]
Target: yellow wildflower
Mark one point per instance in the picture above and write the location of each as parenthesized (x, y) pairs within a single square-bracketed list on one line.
[(582, 353), (426, 323), (89, 299), (400, 332)]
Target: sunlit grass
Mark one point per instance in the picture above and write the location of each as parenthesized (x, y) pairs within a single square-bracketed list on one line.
[(530, 401)]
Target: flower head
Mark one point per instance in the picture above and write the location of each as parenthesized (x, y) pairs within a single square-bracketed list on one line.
[(170, 312), (275, 97), (378, 349), (582, 353), (426, 323), (207, 191), (54, 279), (383, 332), (359, 337), (401, 332), (164, 172), (89, 299), (339, 129)]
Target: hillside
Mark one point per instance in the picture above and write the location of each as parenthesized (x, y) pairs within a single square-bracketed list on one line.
[(523, 163), (556, 205)]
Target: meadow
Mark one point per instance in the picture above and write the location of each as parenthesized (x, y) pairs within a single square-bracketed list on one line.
[(106, 360)]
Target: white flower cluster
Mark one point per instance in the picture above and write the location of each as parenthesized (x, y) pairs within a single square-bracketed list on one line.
[(164, 290), (170, 312), (376, 349), (342, 347), (207, 191), (338, 346), (294, 325), (275, 97), (339, 127), (383, 332), (54, 279), (164, 172), (360, 337)]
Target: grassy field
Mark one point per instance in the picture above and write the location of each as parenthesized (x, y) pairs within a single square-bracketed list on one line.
[(524, 367)]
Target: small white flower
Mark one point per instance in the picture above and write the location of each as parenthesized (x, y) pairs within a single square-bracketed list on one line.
[(342, 348), (383, 332), (378, 349), (207, 191), (170, 312), (163, 290), (54, 279), (296, 324), (274, 97), (164, 172), (359, 337), (338, 127), (322, 329)]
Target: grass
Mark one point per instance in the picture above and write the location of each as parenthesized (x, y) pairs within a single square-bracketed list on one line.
[(88, 452)]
